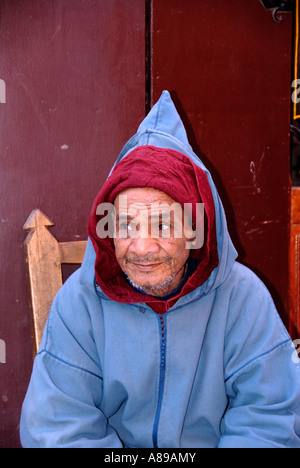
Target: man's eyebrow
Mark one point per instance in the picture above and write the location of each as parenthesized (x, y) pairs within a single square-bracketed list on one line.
[(124, 217), (163, 213)]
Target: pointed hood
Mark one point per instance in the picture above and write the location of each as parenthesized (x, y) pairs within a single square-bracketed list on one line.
[(159, 156)]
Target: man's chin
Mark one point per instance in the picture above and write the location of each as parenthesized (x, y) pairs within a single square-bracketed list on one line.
[(153, 288)]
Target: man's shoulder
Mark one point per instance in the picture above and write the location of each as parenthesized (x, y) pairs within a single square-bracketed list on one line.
[(75, 297), (244, 278), (247, 294), (251, 303), (242, 271), (75, 288), (72, 313)]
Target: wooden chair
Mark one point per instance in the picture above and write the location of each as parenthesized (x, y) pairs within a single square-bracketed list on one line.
[(45, 257)]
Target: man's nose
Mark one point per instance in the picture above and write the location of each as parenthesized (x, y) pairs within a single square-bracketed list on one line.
[(142, 245)]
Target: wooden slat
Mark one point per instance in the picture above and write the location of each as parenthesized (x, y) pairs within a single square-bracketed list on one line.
[(45, 276), (72, 252), (44, 257)]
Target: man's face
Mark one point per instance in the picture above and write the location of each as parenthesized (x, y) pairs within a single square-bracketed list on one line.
[(150, 242)]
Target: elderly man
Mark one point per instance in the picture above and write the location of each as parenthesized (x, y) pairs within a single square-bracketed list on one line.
[(162, 339)]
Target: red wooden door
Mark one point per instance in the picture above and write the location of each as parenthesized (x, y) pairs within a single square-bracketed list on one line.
[(229, 67), (75, 92)]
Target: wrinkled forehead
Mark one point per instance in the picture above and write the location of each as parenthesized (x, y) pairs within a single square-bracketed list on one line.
[(146, 201), (142, 196)]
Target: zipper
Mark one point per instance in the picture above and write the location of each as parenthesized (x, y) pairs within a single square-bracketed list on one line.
[(163, 338)]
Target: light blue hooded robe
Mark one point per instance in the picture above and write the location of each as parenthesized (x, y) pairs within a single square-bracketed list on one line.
[(223, 373)]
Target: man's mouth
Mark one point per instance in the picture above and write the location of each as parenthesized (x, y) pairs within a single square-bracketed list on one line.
[(146, 266)]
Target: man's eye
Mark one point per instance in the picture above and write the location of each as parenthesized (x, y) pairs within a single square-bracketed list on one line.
[(129, 228), (161, 229), (124, 227)]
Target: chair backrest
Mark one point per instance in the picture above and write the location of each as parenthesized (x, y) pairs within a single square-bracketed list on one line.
[(45, 257)]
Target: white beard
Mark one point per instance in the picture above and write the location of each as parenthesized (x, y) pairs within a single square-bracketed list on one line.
[(161, 289)]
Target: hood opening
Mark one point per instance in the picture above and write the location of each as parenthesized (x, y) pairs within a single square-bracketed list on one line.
[(175, 174)]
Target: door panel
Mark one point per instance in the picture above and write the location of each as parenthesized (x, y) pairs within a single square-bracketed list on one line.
[(229, 71), (75, 92)]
